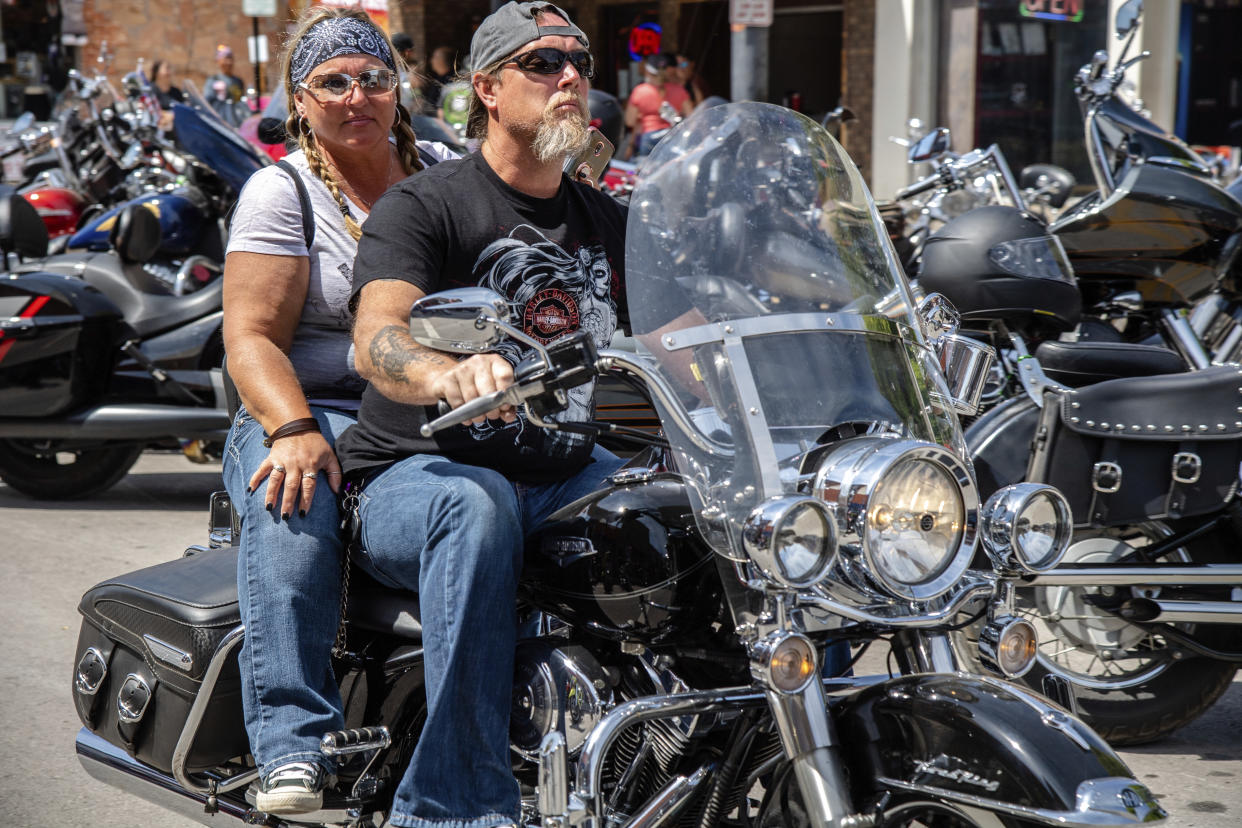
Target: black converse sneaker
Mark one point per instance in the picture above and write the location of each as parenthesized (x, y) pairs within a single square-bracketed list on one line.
[(295, 788)]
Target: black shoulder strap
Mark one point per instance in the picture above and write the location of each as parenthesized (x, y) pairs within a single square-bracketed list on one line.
[(308, 215), (427, 158)]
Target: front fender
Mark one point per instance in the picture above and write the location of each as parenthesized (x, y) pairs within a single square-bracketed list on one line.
[(987, 743)]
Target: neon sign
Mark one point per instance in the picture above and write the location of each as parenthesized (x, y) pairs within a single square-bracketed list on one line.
[(644, 40), (1069, 11)]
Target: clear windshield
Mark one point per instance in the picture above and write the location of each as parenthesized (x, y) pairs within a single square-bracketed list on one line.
[(763, 283)]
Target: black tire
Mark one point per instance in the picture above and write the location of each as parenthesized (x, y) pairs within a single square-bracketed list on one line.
[(1152, 689), (35, 468), (782, 808)]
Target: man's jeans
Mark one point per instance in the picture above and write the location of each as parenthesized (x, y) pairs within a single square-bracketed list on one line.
[(289, 592), (454, 534)]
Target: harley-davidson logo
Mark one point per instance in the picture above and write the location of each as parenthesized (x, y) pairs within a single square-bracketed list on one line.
[(550, 314), (936, 767), (566, 550)]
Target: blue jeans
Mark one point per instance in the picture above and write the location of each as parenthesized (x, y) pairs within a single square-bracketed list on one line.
[(454, 534), (289, 592)]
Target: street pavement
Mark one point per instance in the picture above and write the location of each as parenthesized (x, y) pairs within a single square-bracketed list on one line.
[(50, 553)]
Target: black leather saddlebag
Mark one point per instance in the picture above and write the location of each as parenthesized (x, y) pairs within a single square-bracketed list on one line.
[(58, 342), (1137, 448), (146, 642)]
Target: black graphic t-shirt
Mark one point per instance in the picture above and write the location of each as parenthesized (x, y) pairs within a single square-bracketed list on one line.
[(560, 262)]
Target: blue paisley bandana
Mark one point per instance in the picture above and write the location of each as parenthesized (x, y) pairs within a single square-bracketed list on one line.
[(334, 37)]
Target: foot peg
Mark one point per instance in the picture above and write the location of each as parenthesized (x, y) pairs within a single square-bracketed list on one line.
[(371, 740), (356, 740)]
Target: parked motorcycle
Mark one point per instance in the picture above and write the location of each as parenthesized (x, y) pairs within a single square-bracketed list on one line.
[(813, 486), (115, 344)]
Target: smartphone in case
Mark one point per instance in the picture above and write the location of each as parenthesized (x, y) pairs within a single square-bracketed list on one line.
[(593, 160)]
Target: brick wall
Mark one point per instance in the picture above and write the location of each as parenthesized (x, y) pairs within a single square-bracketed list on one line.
[(857, 80), (183, 32)]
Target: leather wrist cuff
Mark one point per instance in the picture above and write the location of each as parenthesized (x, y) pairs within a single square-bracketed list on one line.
[(291, 428)]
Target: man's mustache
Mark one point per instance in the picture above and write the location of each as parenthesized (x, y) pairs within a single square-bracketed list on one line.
[(568, 97)]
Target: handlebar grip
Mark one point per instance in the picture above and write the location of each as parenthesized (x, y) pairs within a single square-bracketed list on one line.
[(929, 183), (1099, 60), (356, 740), (475, 408)]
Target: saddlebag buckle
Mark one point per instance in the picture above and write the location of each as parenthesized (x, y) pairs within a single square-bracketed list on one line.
[(1187, 467), (1106, 477), (92, 670)]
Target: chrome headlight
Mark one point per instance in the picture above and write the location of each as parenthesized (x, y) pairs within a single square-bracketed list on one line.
[(910, 507), (1026, 528), (793, 540)]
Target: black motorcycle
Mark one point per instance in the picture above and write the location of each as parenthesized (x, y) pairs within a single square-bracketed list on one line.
[(813, 487), (115, 344)]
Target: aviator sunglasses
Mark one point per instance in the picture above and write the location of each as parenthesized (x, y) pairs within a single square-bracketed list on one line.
[(337, 85), (550, 61)]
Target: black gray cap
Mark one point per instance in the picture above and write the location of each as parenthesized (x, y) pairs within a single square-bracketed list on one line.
[(511, 27)]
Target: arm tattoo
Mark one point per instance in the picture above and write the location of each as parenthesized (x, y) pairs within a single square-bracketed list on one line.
[(393, 351)]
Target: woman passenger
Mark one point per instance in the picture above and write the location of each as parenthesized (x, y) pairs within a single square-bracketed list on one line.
[(287, 335)]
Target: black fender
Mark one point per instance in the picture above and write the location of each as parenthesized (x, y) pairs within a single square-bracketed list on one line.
[(1000, 443), (984, 742)]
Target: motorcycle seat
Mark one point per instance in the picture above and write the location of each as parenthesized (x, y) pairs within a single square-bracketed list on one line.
[(153, 312), (1078, 364), (383, 609)]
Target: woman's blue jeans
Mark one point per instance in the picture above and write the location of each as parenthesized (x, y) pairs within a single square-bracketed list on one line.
[(289, 592), (454, 534)]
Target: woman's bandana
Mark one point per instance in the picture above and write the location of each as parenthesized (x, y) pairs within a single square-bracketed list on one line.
[(334, 37)]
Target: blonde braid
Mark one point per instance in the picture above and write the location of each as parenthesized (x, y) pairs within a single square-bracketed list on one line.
[(315, 161), (407, 150)]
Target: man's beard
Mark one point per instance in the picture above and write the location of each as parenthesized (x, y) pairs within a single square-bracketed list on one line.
[(560, 135)]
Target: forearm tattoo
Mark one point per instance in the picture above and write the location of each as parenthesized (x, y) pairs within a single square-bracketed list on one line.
[(393, 351)]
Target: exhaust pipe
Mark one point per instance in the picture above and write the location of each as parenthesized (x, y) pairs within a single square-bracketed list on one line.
[(123, 421), (1146, 575), (116, 768), (1149, 610)]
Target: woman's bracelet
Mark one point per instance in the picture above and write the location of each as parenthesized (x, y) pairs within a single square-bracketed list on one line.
[(291, 428)]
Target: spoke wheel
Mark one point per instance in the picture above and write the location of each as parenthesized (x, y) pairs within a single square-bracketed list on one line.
[(1132, 685)]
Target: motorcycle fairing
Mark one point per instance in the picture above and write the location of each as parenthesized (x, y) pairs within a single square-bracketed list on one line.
[(216, 145), (988, 743), (755, 253)]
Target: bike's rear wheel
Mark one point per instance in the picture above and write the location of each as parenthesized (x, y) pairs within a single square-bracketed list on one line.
[(50, 470), (1132, 685)]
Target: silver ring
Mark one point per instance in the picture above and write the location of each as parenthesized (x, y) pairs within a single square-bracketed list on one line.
[(280, 469), (311, 475)]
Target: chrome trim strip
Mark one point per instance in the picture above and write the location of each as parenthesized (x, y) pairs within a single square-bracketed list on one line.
[(1071, 575), (1086, 814), (195, 717), (787, 323), (168, 654), (756, 422)]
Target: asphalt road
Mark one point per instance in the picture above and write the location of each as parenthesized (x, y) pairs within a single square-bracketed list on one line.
[(50, 553)]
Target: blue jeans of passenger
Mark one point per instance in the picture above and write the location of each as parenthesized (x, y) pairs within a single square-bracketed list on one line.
[(454, 534), (289, 592)]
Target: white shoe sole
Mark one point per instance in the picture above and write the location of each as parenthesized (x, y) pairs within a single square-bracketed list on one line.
[(288, 802)]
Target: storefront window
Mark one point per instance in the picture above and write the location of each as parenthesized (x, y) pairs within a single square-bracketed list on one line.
[(1029, 51)]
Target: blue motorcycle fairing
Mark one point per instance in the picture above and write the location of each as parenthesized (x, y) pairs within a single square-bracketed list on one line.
[(216, 146), (182, 222)]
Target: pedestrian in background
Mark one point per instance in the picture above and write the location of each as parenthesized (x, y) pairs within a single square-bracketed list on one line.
[(642, 113), (223, 90)]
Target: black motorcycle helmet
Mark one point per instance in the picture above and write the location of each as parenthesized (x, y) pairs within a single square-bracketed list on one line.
[(1000, 264), (607, 114)]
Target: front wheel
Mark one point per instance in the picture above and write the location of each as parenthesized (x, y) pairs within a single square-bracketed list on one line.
[(47, 470), (783, 808)]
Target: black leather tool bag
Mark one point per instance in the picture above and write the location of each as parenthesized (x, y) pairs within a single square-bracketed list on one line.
[(146, 642), (1132, 449)]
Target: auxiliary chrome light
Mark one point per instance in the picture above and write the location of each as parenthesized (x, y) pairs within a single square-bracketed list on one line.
[(1026, 528), (784, 661), (1007, 646), (910, 508), (793, 540)]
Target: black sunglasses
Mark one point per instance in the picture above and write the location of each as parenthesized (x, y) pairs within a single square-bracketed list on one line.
[(549, 61), (339, 84)]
